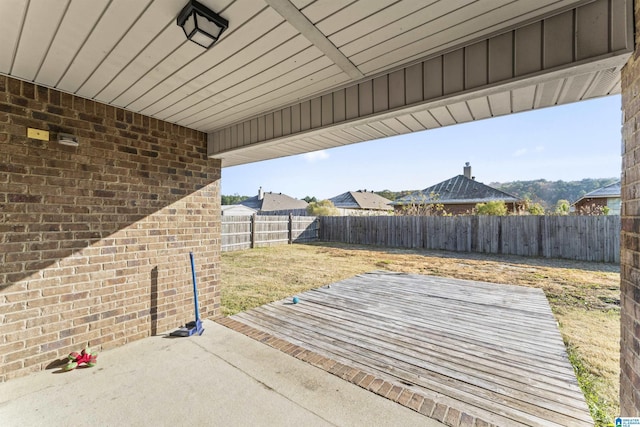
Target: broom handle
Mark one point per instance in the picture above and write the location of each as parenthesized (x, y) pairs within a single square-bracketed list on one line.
[(195, 287)]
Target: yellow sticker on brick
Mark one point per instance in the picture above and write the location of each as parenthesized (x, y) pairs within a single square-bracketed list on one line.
[(38, 134)]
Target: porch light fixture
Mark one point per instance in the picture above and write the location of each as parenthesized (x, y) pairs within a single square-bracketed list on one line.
[(68, 139), (200, 24)]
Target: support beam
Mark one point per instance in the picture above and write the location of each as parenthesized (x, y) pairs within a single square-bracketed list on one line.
[(300, 22)]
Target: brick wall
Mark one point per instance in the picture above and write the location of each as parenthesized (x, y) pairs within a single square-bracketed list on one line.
[(630, 238), (95, 239)]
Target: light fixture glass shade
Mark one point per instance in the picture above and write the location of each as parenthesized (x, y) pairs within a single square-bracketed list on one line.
[(201, 25)]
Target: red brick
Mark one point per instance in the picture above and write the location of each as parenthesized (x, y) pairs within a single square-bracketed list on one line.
[(394, 393), (405, 397), (384, 389), (69, 206), (426, 406), (439, 412), (366, 381)]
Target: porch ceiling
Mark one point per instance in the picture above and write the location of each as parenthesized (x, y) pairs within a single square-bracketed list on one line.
[(131, 54)]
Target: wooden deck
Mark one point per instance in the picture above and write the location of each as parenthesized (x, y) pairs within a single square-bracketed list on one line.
[(475, 352)]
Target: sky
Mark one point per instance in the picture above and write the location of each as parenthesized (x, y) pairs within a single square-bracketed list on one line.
[(568, 142)]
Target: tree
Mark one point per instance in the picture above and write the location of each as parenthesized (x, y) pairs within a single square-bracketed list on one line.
[(423, 206), (530, 208), (495, 207), (563, 207), (536, 209), (232, 200), (322, 208), (310, 199)]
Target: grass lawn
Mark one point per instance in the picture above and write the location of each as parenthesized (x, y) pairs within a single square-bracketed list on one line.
[(584, 296)]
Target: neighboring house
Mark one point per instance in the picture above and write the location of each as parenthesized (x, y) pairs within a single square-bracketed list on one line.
[(237, 210), (275, 204), (608, 196), (458, 195), (361, 202)]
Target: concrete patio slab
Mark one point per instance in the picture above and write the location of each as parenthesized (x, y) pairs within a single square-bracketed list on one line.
[(219, 378)]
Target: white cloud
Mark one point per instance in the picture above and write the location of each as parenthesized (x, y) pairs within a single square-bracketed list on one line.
[(316, 156), (520, 152), (539, 148)]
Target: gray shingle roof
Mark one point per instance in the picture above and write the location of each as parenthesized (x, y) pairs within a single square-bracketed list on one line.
[(361, 200), (611, 190), (458, 189), (274, 202)]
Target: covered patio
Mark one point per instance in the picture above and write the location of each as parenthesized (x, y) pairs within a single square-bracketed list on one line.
[(114, 129)]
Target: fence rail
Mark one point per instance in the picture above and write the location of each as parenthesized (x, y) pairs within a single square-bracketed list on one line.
[(586, 238), (245, 232)]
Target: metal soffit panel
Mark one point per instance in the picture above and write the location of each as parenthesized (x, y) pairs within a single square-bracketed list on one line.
[(131, 54), (484, 104)]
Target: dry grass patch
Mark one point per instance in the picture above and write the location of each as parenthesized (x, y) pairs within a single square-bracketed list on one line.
[(585, 297)]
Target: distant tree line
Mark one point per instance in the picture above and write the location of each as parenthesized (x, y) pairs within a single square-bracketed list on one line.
[(540, 191), (548, 193)]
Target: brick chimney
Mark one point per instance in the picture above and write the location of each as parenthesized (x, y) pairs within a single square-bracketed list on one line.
[(467, 170)]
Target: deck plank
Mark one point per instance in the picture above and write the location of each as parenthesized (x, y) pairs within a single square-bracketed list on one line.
[(491, 351)]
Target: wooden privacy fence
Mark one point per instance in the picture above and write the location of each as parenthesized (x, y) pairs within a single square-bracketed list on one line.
[(245, 232), (586, 238)]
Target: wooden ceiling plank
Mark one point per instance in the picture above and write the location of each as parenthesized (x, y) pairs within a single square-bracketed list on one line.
[(319, 10), (76, 26), (355, 12), (357, 133), (191, 60), (301, 4), (443, 116), (460, 112), (238, 68), (151, 66), (119, 17), (479, 108), (152, 23), (298, 78), (397, 126), (291, 68), (345, 136), (426, 119), (372, 131), (40, 26), (382, 129), (471, 22), (419, 23), (409, 121), (522, 98), (500, 103), (380, 19), (10, 31), (331, 76), (547, 93)]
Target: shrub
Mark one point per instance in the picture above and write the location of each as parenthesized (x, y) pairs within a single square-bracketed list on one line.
[(322, 208), (497, 207)]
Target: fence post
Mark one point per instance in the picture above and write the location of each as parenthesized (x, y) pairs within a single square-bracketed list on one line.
[(253, 231), (290, 228)]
